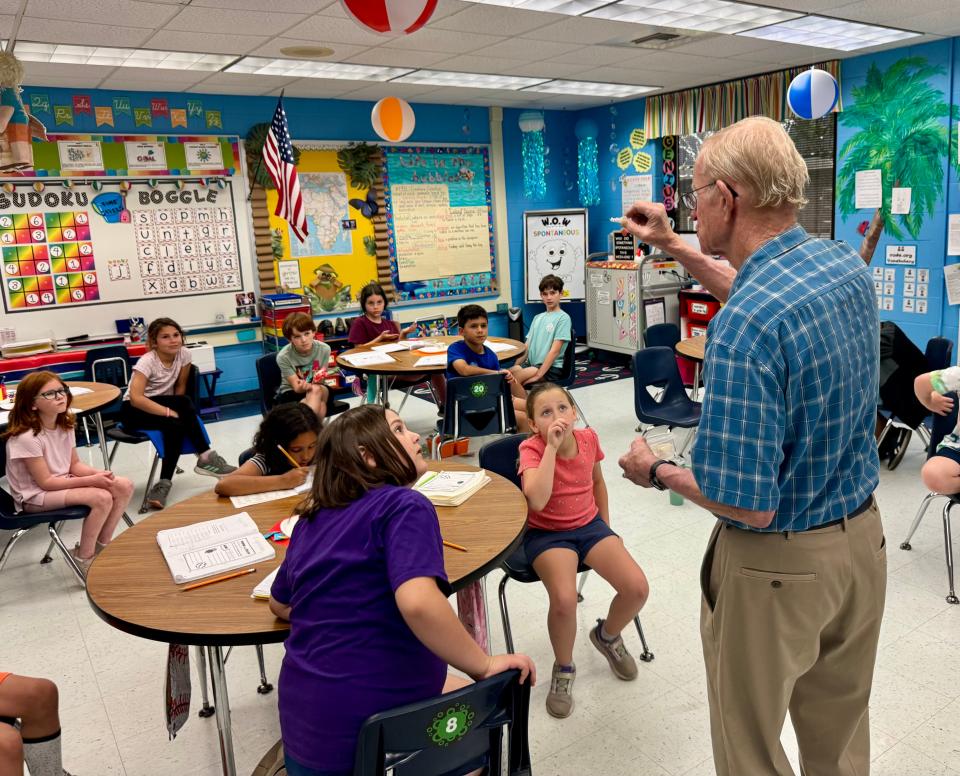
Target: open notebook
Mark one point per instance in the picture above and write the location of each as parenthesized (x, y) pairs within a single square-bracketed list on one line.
[(212, 547), (450, 488)]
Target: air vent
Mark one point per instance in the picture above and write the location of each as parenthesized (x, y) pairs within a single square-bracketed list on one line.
[(656, 40), (665, 38)]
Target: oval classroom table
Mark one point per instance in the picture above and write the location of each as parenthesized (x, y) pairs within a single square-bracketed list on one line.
[(693, 348)]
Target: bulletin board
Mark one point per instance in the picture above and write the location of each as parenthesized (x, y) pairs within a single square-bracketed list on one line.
[(114, 226), (440, 221), (338, 257)]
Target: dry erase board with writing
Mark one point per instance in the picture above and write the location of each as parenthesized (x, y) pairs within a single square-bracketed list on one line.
[(440, 221), (80, 254)]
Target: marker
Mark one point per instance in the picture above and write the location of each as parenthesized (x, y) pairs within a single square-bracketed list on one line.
[(218, 579), (289, 457)]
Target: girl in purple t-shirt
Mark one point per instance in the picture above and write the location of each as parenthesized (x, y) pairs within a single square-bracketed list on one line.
[(45, 473), (364, 588)]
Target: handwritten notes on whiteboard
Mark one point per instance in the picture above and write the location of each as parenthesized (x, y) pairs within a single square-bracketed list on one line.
[(436, 240)]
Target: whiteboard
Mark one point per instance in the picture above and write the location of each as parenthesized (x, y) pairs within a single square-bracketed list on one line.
[(555, 243)]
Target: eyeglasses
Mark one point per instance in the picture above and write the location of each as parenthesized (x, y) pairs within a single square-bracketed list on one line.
[(56, 393), (689, 200)]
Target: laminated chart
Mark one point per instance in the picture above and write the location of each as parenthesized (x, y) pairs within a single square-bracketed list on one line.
[(48, 259)]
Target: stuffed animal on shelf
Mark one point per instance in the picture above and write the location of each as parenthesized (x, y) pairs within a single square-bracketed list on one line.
[(17, 126)]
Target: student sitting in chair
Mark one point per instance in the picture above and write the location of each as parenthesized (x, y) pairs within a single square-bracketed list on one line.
[(303, 365), (471, 357), (941, 472), (549, 333)]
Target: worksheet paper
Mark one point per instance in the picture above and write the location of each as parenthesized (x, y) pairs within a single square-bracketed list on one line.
[(635, 187), (392, 347), (499, 347), (953, 234), (951, 274), (869, 189), (424, 361), (900, 201), (368, 359), (271, 495)]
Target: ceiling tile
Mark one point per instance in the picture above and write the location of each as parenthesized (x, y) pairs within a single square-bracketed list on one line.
[(480, 64), (280, 6), (891, 12), (551, 69), (594, 55), (717, 46), (786, 54), (583, 31), (239, 22), (127, 13), (152, 78), (221, 43), (942, 22), (322, 28), (81, 33), (805, 6), (92, 73), (6, 24), (495, 20), (119, 81), (530, 50), (319, 87), (378, 91), (340, 50), (62, 81), (618, 74), (397, 57), (450, 41), (248, 91)]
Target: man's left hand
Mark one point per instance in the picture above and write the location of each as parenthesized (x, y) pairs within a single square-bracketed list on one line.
[(637, 462)]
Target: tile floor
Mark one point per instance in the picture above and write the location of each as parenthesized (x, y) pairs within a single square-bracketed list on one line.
[(111, 683)]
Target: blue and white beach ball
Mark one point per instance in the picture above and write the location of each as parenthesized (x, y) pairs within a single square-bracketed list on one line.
[(813, 94)]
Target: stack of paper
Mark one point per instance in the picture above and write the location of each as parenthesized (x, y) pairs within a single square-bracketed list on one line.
[(425, 361), (451, 489), (368, 358), (262, 591), (499, 347)]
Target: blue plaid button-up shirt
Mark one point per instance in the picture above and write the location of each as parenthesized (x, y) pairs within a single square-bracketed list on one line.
[(791, 376)]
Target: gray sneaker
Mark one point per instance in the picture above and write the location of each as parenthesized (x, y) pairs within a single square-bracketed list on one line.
[(213, 466), (82, 563), (621, 662), (157, 496), (560, 697)]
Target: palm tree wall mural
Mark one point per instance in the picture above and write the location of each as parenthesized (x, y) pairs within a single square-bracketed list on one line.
[(903, 133)]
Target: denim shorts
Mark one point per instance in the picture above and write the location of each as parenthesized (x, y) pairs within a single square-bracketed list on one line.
[(581, 540)]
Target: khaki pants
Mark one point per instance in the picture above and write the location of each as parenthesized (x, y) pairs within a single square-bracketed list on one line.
[(791, 621)]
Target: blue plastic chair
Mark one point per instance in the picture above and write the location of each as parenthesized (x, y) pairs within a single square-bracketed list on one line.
[(476, 406), (569, 375), (662, 335), (451, 732), (502, 456), (657, 368)]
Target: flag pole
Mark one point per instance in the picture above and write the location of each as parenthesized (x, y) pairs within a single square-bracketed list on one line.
[(260, 159)]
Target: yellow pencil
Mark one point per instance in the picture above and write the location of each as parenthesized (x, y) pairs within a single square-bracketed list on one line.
[(218, 579), (289, 457), (454, 546)]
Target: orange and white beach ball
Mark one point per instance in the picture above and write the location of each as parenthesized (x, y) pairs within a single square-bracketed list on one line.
[(393, 119)]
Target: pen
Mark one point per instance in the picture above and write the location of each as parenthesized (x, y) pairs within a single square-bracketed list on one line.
[(218, 579), (454, 546), (289, 457)]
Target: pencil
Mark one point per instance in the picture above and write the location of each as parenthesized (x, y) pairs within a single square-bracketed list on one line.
[(454, 546), (289, 457), (218, 579)]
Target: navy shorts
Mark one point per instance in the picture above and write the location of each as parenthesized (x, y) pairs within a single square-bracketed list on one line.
[(949, 452), (581, 540)]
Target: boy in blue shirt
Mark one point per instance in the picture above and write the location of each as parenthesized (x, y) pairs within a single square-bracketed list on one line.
[(548, 336), (470, 356)]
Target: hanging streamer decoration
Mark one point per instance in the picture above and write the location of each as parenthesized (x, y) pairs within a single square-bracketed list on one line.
[(589, 185), (534, 180)]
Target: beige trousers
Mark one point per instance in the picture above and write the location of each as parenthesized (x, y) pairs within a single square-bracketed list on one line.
[(791, 621)]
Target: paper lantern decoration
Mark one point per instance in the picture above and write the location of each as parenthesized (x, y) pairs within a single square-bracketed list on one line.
[(390, 17), (588, 183), (813, 94), (534, 173), (393, 119)]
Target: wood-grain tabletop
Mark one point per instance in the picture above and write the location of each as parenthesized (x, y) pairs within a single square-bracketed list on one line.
[(101, 395), (692, 347), (404, 360), (130, 586)]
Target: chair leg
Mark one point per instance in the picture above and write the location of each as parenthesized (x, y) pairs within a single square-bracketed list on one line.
[(924, 433), (9, 545), (905, 544), (505, 615), (948, 548), (113, 452), (406, 395), (883, 434), (153, 470), (54, 534), (201, 656), (128, 520), (583, 581), (646, 656), (265, 686), (48, 557)]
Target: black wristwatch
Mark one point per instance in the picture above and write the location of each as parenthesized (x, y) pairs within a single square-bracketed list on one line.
[(654, 480)]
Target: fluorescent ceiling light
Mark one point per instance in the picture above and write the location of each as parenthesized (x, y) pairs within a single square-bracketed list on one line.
[(701, 15), (823, 32), (308, 68), (120, 57), (568, 7), (590, 89), (474, 80)]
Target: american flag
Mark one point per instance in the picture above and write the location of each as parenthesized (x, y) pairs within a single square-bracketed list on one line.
[(278, 157)]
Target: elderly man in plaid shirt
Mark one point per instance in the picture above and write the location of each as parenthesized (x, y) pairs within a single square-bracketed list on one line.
[(794, 576)]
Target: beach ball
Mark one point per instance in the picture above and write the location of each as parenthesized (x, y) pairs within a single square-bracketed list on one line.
[(813, 94), (393, 119), (390, 17)]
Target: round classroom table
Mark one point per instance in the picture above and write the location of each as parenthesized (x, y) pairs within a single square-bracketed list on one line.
[(404, 361), (693, 348), (130, 587), (100, 395)]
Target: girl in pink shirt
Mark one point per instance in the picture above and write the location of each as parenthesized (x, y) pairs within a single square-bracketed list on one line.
[(569, 524), (45, 473)]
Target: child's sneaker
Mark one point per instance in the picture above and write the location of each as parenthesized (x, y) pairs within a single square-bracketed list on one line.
[(157, 496), (213, 465), (621, 663), (560, 697), (82, 563)]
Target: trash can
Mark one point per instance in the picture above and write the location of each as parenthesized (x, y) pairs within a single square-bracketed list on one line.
[(515, 323)]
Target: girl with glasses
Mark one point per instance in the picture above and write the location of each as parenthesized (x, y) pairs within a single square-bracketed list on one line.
[(45, 473)]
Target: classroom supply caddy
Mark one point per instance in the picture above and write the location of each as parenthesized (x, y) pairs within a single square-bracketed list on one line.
[(625, 297)]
